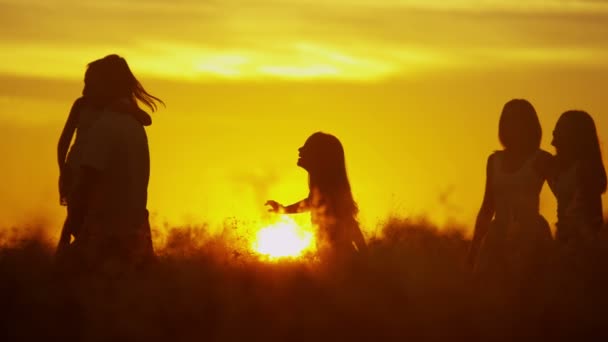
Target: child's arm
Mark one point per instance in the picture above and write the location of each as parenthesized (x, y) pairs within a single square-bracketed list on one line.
[(294, 208), (68, 132)]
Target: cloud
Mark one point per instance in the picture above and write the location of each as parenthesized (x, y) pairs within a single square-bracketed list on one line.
[(298, 39)]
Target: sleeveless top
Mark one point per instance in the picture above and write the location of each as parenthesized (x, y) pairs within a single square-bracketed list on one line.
[(518, 236), (516, 193)]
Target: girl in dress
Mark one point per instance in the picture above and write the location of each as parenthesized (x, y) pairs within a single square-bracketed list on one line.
[(509, 231), (330, 201)]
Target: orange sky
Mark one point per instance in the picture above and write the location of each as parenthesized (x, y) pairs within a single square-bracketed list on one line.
[(413, 89)]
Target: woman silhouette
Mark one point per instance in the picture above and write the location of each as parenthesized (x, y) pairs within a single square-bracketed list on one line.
[(330, 200), (110, 85), (509, 231), (579, 178)]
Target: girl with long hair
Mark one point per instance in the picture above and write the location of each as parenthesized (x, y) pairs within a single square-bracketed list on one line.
[(330, 200), (579, 178), (509, 231), (109, 84)]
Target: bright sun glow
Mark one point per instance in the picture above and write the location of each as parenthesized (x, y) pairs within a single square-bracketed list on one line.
[(284, 238)]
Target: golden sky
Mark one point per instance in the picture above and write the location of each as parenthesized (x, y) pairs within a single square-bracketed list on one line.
[(413, 89)]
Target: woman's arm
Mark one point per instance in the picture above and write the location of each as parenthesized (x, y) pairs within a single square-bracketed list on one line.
[(68, 132), (294, 208), (484, 218), (545, 167), (83, 192)]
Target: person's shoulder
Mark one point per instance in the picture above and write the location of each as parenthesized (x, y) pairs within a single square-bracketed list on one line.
[(543, 163), (544, 155), (130, 108), (77, 106), (494, 156), (83, 103), (493, 162), (122, 125), (79, 102), (544, 158)]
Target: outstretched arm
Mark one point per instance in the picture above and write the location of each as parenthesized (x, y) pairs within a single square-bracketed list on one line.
[(68, 132), (294, 208), (484, 218)]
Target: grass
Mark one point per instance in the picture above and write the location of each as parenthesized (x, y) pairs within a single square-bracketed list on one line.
[(413, 285)]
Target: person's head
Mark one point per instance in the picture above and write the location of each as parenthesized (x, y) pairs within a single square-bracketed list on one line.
[(110, 78), (321, 153), (323, 157), (575, 138), (519, 129)]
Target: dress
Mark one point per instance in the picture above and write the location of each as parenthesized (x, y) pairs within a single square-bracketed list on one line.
[(518, 236), (336, 233)]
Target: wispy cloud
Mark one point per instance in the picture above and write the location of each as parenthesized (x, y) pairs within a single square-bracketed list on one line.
[(300, 39)]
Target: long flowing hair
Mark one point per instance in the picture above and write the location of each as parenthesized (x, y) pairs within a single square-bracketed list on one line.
[(110, 78), (580, 137), (328, 176)]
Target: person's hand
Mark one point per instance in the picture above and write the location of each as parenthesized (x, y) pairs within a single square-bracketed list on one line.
[(275, 207), (63, 200)]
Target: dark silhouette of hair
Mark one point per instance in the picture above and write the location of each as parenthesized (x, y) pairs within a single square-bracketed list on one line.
[(519, 128), (327, 174), (110, 78), (577, 134)]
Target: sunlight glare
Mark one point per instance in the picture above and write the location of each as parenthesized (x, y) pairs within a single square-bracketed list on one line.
[(284, 238)]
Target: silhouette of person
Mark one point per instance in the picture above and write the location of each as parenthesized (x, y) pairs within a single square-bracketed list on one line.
[(330, 201), (103, 180), (509, 231), (578, 179), (82, 115)]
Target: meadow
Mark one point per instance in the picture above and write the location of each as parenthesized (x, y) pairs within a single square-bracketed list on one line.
[(413, 285)]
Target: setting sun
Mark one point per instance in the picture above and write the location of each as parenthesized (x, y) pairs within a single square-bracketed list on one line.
[(284, 238)]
